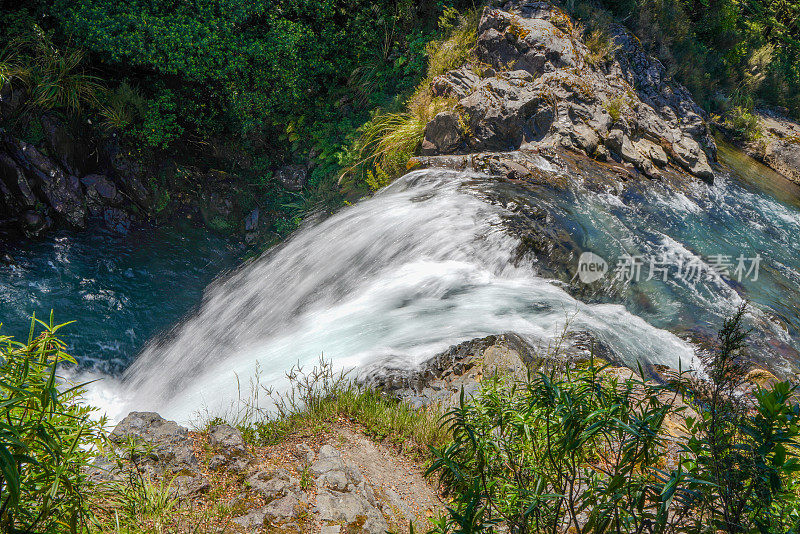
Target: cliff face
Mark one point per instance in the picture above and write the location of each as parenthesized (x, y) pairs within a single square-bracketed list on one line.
[(539, 87)]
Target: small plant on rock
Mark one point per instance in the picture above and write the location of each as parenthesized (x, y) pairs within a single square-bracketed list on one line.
[(601, 48)]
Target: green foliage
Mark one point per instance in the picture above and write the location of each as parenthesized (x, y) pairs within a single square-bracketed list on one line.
[(747, 47), (738, 463), (45, 433), (615, 106), (122, 107), (558, 453), (744, 124), (585, 451), (315, 398), (54, 77), (160, 125), (390, 139)]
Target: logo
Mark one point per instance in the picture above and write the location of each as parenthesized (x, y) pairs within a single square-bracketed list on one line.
[(591, 267)]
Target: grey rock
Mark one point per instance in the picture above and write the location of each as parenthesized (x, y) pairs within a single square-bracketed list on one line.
[(163, 442), (503, 361), (252, 520), (343, 506), (442, 134), (283, 508), (396, 501), (227, 440), (534, 97), (328, 459), (101, 190), (190, 485), (784, 157), (457, 83), (335, 480), (273, 485)]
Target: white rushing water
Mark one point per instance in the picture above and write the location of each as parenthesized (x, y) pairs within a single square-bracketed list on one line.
[(407, 273)]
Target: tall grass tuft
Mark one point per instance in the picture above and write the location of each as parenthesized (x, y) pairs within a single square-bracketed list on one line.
[(390, 139)]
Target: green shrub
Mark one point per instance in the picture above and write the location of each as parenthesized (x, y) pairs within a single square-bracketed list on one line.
[(744, 124), (389, 139), (615, 106), (45, 435), (586, 452)]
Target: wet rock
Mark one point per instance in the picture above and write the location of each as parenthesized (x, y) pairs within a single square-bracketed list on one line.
[(44, 179), (100, 190), (292, 177), (117, 221), (131, 177), (67, 144)]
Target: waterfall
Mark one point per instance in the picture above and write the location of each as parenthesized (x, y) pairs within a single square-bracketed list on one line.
[(421, 265)]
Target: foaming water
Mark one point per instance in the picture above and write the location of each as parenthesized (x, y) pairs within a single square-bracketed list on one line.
[(420, 266)]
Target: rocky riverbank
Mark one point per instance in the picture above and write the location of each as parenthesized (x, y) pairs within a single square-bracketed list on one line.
[(77, 176), (538, 87), (775, 141), (335, 478)]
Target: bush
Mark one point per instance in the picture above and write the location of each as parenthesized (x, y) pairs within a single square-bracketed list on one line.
[(45, 436), (744, 124), (587, 452), (390, 139)]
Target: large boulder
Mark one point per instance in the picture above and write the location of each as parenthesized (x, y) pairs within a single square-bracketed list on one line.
[(46, 180), (443, 134), (784, 157), (160, 448), (544, 92)]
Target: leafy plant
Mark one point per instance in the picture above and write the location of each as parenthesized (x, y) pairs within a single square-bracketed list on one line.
[(745, 125), (45, 435), (122, 107), (389, 139), (586, 451)]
